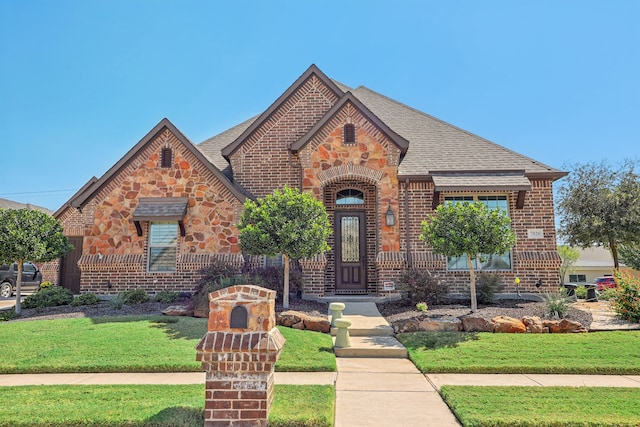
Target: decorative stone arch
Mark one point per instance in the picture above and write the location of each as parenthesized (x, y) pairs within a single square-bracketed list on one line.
[(349, 171)]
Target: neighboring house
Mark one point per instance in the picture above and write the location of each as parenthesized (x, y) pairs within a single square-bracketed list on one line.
[(595, 262), (10, 204), (169, 207)]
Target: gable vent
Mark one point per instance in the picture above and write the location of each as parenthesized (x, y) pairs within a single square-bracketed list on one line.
[(349, 133), (167, 157)]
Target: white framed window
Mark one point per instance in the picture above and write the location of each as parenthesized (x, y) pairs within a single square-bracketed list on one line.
[(163, 247), (578, 278), (487, 261)]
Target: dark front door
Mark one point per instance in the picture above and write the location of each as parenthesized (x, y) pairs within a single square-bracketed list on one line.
[(350, 252), (69, 271)]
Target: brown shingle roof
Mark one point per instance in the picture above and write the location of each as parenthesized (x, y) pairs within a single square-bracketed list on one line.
[(434, 145)]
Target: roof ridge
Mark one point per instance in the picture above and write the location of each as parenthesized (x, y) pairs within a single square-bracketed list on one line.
[(454, 126)]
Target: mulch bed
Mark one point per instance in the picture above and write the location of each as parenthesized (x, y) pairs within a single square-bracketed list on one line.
[(392, 311)]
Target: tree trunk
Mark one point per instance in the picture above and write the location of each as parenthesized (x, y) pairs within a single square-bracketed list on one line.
[(285, 297), (472, 285), (19, 288), (614, 254)]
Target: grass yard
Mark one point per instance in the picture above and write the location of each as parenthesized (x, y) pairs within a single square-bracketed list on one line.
[(460, 352), (134, 344), (150, 405), (544, 406)]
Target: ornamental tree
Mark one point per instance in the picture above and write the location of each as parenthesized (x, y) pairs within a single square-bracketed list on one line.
[(286, 222), (29, 235), (600, 205), (630, 255), (471, 230), (569, 257)]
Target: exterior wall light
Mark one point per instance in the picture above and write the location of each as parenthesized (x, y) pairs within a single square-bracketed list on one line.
[(390, 216)]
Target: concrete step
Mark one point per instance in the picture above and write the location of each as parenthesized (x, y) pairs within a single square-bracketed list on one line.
[(373, 347), (356, 298), (375, 330)]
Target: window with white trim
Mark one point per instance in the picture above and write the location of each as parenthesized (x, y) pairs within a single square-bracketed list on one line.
[(163, 247), (488, 261), (578, 278)]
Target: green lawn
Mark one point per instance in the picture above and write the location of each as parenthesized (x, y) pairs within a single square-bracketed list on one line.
[(150, 405), (544, 406), (459, 352), (134, 344)]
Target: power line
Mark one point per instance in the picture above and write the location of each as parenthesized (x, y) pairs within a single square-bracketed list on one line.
[(37, 192)]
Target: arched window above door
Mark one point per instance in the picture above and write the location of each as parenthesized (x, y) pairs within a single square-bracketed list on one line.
[(350, 196)]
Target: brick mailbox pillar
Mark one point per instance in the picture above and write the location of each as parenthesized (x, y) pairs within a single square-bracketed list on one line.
[(238, 354)]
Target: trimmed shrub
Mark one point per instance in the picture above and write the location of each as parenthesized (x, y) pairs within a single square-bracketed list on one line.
[(487, 286), (135, 296), (420, 286), (85, 299), (166, 296), (626, 299), (48, 297)]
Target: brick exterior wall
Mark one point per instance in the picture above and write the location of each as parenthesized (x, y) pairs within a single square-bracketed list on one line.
[(263, 162), (533, 259)]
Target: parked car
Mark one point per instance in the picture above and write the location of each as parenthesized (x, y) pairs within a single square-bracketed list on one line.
[(31, 278), (605, 282)]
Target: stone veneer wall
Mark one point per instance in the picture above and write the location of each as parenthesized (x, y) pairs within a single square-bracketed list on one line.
[(115, 257)]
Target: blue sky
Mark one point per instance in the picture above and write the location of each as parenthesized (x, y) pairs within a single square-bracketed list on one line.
[(81, 81)]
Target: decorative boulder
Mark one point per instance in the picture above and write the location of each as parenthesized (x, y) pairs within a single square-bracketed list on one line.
[(289, 318), (317, 324), (405, 325), (508, 325), (476, 324), (440, 324), (564, 326), (534, 325), (177, 310)]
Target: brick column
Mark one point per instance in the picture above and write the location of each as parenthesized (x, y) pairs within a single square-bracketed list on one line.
[(390, 266), (313, 276), (239, 354)]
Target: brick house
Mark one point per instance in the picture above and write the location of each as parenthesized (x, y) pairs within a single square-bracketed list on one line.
[(169, 207)]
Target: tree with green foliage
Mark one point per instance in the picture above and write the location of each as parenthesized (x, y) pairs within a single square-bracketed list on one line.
[(569, 257), (29, 235), (630, 255), (600, 205), (471, 230), (287, 222)]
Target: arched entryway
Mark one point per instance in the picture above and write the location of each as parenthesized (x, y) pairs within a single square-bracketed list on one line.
[(351, 269)]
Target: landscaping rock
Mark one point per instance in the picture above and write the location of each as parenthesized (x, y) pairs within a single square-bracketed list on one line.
[(177, 310), (201, 312), (476, 324), (534, 325), (440, 324), (564, 326), (317, 324), (405, 325), (299, 325), (508, 325), (290, 318)]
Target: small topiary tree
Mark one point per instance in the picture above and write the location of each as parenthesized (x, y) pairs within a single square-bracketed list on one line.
[(287, 222)]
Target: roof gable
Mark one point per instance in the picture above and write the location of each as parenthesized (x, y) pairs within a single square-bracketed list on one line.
[(313, 70), (92, 189), (348, 97)]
